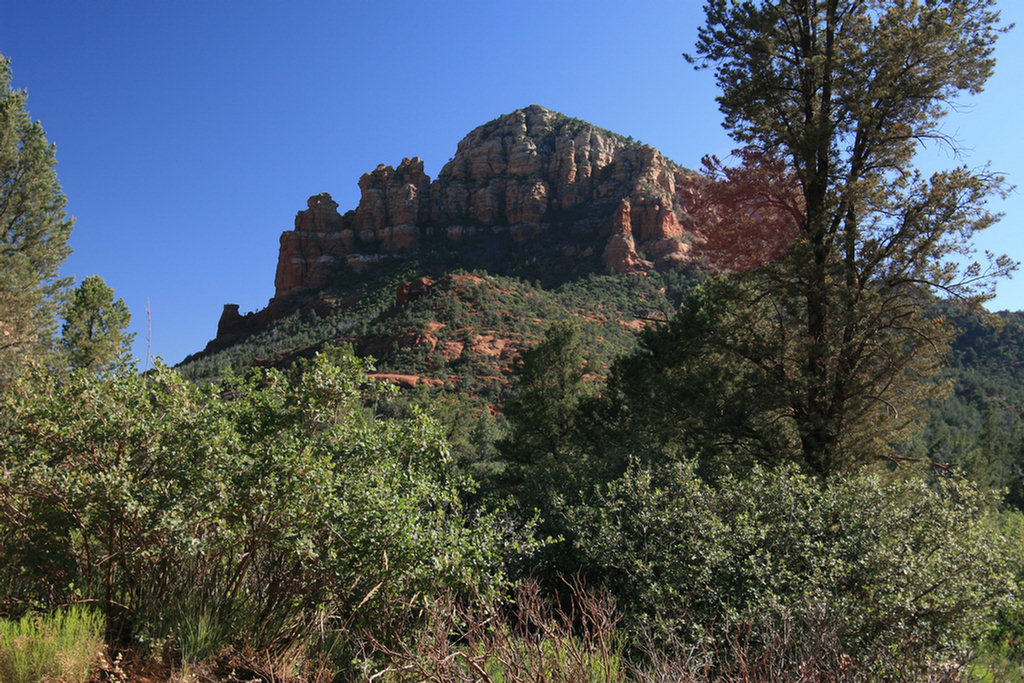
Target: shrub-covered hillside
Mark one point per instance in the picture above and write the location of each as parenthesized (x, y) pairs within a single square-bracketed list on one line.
[(462, 329)]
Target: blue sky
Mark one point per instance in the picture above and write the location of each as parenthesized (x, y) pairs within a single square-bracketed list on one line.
[(189, 133)]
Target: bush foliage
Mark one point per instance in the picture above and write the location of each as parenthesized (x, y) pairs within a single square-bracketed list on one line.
[(900, 570), (201, 518)]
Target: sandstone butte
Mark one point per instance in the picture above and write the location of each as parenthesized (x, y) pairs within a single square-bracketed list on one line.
[(595, 200)]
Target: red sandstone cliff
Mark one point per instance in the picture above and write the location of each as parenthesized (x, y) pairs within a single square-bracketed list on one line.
[(528, 173), (571, 197)]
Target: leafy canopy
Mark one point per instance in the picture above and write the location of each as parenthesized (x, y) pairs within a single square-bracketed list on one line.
[(257, 508), (903, 572)]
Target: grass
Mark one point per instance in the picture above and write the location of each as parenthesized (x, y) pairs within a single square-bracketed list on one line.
[(530, 641), (57, 648)]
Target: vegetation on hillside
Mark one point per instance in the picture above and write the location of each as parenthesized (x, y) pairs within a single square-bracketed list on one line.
[(458, 309)]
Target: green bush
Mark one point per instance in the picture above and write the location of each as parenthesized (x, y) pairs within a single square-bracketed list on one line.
[(904, 573), (61, 647), (231, 517)]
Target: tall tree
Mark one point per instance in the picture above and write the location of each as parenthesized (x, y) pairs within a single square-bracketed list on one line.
[(546, 459), (34, 230), (95, 331), (845, 92), (543, 411)]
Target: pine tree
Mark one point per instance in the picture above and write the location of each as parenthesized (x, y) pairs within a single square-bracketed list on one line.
[(34, 231), (94, 333), (845, 92), (543, 412)]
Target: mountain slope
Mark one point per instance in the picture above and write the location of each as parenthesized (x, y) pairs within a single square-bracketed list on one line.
[(461, 330), (533, 195)]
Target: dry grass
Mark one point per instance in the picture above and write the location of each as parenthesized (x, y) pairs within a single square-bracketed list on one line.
[(534, 641), (62, 647)]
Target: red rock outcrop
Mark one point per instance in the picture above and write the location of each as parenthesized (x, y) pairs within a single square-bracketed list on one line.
[(413, 289), (307, 253), (392, 203), (406, 381), (530, 173), (533, 186), (620, 251)]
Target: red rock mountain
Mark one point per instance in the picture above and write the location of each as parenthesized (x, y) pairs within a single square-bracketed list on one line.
[(523, 175), (533, 186)]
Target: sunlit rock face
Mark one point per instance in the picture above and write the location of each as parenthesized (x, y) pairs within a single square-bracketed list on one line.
[(532, 187), (527, 174)]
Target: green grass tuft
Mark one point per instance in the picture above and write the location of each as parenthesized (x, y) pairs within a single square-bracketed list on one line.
[(60, 647)]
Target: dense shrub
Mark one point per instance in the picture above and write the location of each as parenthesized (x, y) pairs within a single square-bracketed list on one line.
[(241, 516), (902, 572)]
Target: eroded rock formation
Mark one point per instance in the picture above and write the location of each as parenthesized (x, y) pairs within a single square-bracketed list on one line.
[(530, 173), (531, 187)]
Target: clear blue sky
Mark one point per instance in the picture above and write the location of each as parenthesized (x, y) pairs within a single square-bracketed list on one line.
[(189, 133)]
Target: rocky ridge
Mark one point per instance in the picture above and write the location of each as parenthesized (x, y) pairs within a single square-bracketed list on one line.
[(530, 173), (574, 197), (532, 194)]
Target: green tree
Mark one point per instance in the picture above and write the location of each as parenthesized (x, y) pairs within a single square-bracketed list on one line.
[(34, 232), (543, 412), (95, 333), (690, 391), (845, 92)]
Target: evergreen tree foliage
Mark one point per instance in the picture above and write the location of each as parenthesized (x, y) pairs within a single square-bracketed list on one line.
[(837, 334), (544, 414), (689, 392), (546, 458), (34, 231), (94, 333), (549, 385)]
